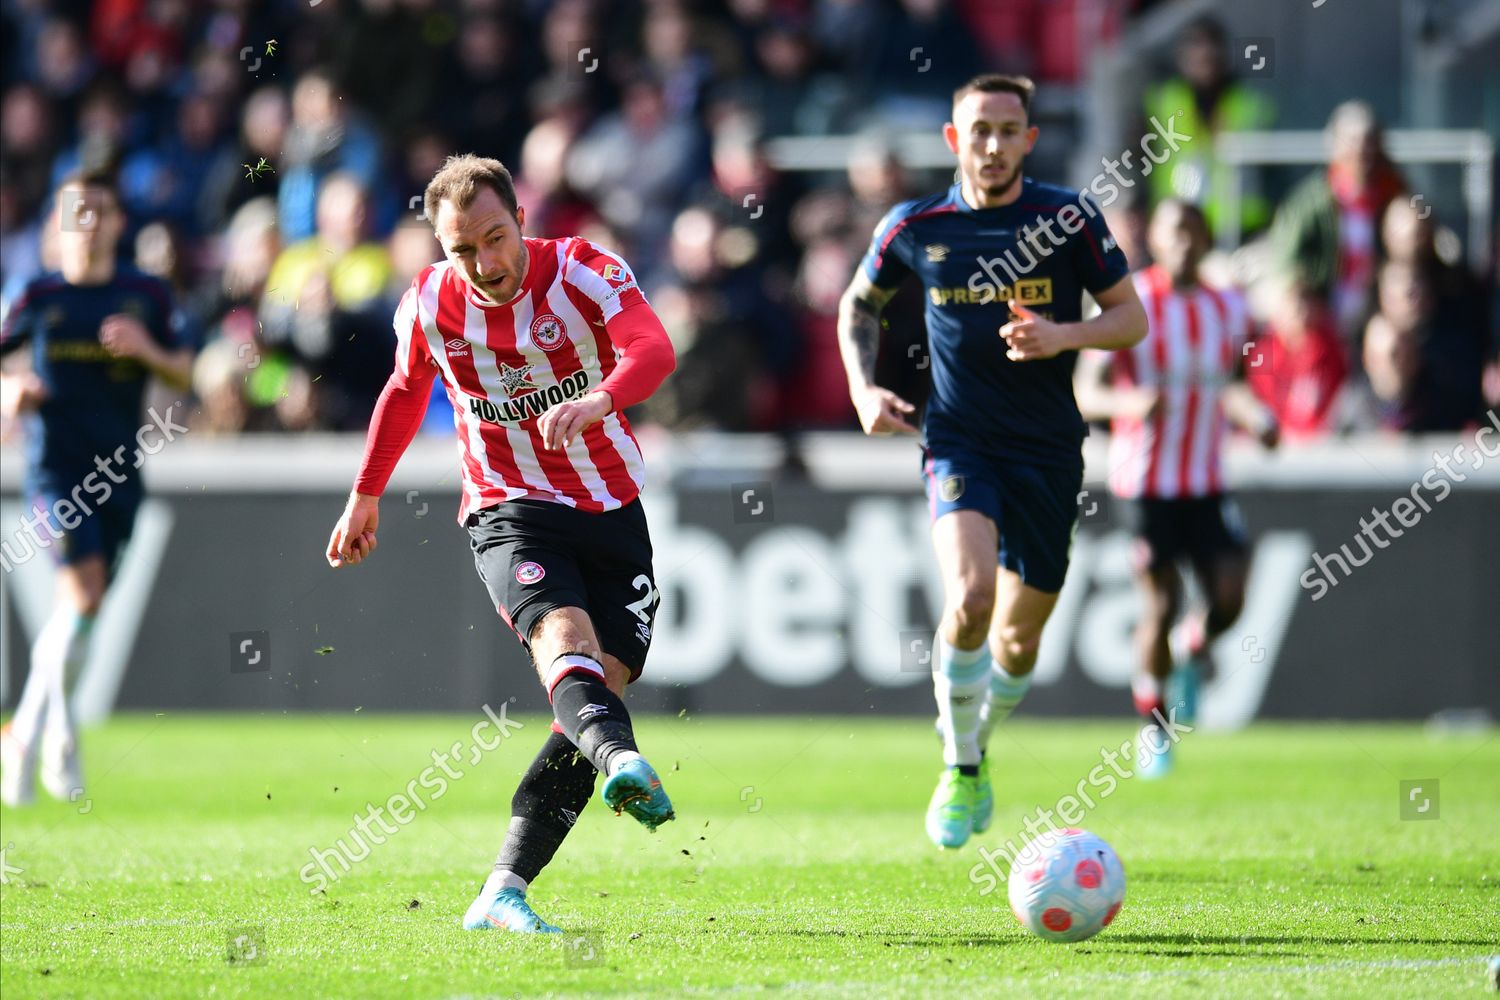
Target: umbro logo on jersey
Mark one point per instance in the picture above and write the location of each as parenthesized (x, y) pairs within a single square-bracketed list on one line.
[(936, 252), (457, 347), (532, 403), (1109, 244)]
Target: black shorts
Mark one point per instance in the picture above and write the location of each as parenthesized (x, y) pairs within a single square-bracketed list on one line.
[(1195, 528), (535, 556)]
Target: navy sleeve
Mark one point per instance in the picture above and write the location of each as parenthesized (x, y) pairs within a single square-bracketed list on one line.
[(888, 260), (1100, 261), (19, 322), (168, 326)]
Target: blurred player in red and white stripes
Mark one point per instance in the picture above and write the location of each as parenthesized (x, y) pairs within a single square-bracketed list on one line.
[(1170, 400), (541, 344)]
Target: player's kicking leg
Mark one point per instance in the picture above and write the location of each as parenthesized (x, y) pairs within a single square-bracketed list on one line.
[(43, 725), (592, 735)]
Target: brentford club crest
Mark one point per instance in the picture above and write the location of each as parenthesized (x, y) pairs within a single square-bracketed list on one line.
[(528, 573), (548, 332)]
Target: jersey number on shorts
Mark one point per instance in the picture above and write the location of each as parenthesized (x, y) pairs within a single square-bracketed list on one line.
[(640, 608)]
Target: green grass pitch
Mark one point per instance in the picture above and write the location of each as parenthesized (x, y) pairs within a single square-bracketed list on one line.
[(1272, 863)]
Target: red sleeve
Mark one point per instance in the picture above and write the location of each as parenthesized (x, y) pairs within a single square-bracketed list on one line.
[(398, 415), (403, 401), (647, 355)]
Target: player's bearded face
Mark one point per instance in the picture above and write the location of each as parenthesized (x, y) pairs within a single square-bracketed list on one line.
[(485, 241), (992, 137)]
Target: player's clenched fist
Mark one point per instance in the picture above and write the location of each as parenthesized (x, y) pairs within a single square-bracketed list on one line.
[(353, 537), (882, 411), (1032, 337), (561, 424)]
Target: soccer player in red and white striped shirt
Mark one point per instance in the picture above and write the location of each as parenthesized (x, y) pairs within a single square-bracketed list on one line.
[(1171, 399), (541, 345)]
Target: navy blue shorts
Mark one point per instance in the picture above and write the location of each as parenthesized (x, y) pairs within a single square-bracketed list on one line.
[(1034, 507), (86, 527)]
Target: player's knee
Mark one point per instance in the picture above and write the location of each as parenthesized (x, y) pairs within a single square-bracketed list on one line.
[(1016, 645), (975, 606)]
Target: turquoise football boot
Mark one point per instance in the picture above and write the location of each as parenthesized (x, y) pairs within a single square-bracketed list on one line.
[(984, 797), (507, 910), (635, 788), (1182, 692), (1153, 752)]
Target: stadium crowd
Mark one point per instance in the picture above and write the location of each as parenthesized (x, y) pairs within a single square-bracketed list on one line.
[(271, 158)]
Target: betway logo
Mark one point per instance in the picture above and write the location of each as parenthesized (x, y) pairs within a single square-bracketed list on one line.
[(798, 606), (530, 404)]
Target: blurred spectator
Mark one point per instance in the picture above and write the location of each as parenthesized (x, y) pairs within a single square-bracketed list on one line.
[(1326, 232), (925, 52), (1400, 392), (175, 178), (63, 65), (326, 135), (553, 208), (413, 246), (324, 305), (816, 394), (264, 122), (27, 145), (1207, 100), (789, 97), (1298, 366), (1456, 340), (877, 180), (236, 378), (636, 164), (103, 127), (490, 71)]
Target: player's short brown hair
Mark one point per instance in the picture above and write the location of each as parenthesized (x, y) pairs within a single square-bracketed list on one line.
[(999, 83), (460, 179)]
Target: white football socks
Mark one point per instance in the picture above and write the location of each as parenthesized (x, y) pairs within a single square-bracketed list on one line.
[(505, 879), (1005, 692), (57, 658), (959, 684)]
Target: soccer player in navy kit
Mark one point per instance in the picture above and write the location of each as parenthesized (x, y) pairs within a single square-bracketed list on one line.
[(1004, 262), (97, 332)]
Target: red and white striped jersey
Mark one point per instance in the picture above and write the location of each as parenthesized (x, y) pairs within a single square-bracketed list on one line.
[(1190, 353), (506, 365)]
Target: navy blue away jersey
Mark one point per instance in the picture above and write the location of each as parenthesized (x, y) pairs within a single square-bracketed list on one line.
[(1045, 249), (94, 400)]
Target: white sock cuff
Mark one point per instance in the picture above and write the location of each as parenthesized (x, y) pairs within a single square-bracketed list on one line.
[(962, 666), (566, 664), (504, 879), (1007, 685)]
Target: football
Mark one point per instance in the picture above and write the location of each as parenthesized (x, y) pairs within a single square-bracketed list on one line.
[(1067, 885)]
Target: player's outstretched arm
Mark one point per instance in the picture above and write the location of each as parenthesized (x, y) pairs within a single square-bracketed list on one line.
[(1121, 323), (880, 410), (398, 414)]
